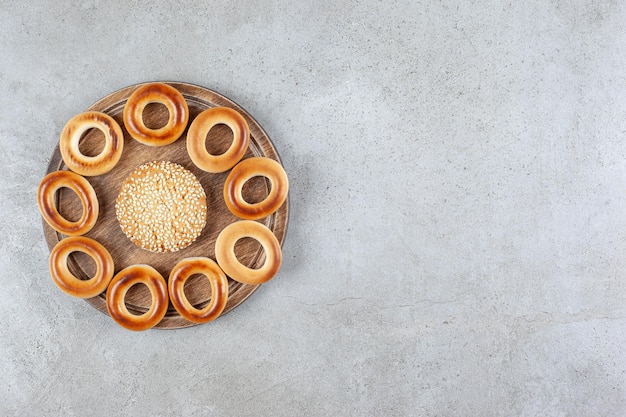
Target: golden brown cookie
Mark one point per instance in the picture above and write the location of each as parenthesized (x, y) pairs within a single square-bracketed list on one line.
[(161, 207)]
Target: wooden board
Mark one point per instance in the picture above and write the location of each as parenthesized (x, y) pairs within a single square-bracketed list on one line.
[(108, 232)]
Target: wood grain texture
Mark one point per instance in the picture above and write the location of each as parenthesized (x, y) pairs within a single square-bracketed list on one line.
[(124, 252)]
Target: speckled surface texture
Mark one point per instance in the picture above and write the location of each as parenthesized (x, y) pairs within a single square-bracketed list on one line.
[(456, 244)]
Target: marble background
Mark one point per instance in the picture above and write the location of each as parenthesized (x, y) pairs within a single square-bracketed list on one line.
[(457, 230)]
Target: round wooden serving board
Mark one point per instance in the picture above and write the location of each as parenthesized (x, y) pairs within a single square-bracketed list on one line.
[(108, 232)]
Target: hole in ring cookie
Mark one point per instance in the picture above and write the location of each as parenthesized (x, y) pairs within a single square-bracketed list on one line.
[(141, 295), (219, 139), (87, 264), (155, 115), (256, 189), (92, 142), (71, 209), (247, 252), (197, 290)]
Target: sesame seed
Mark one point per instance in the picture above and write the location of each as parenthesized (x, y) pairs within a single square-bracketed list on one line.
[(161, 207)]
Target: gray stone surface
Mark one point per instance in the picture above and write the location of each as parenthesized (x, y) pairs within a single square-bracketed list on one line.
[(458, 223)]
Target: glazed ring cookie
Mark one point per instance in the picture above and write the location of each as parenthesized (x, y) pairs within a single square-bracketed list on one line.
[(119, 286), (67, 281), (227, 260), (197, 136), (85, 192), (245, 170), (219, 289), (106, 159), (156, 93)]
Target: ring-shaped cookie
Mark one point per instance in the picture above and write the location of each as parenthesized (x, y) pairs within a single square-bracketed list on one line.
[(70, 139), (247, 169), (227, 260), (86, 194), (219, 289), (119, 286), (67, 281), (156, 93), (197, 137)]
